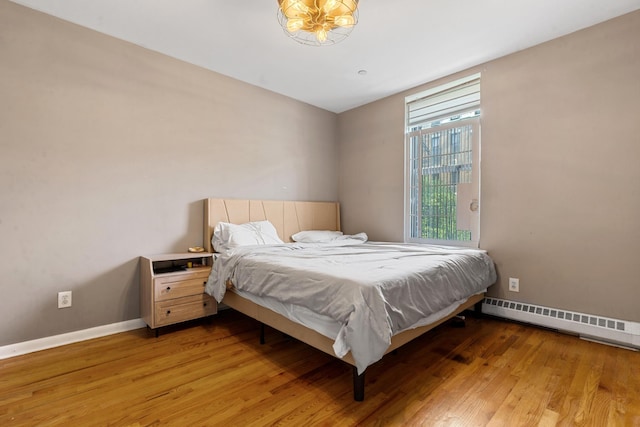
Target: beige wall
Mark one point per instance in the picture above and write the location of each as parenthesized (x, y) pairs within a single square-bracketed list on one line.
[(106, 151), (560, 173)]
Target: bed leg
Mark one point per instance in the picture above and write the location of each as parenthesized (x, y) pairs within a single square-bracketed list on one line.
[(261, 333), (459, 321), (478, 308), (358, 385)]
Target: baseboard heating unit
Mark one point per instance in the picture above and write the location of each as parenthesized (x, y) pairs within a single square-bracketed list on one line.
[(595, 328)]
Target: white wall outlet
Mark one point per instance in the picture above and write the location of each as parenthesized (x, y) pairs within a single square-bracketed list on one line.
[(64, 299), (514, 284)]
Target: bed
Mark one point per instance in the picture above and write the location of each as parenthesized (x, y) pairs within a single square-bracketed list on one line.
[(356, 323)]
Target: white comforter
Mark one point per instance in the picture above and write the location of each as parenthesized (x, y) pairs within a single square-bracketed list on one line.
[(374, 290)]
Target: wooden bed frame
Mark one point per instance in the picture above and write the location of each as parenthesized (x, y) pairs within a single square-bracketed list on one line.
[(289, 217)]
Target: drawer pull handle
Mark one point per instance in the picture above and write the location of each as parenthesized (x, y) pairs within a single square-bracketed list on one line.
[(168, 288), (205, 304), (168, 312), (204, 283)]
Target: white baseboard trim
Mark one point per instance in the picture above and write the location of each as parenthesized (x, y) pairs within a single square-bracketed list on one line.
[(595, 328), (18, 349)]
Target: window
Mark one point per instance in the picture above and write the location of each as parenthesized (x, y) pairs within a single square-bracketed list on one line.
[(442, 164)]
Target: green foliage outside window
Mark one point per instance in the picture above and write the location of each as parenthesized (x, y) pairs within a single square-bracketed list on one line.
[(439, 201)]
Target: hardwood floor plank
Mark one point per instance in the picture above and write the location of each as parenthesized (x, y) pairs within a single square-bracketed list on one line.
[(549, 418), (216, 373), (629, 395)]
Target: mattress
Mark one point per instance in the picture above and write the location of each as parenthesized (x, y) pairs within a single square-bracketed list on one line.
[(325, 325), (359, 295)]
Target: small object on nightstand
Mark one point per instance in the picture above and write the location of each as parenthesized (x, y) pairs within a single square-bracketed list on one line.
[(196, 249)]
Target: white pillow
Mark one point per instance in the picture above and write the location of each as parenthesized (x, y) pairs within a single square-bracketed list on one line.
[(316, 236), (228, 236)]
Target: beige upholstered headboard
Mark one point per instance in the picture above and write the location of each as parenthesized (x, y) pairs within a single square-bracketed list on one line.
[(288, 217)]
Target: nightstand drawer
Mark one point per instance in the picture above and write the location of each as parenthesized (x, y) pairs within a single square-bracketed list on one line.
[(185, 308), (166, 288)]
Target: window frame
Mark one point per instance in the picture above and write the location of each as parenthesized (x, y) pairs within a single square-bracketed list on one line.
[(474, 216)]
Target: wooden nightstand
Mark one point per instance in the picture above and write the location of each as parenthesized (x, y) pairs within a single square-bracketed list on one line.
[(172, 288)]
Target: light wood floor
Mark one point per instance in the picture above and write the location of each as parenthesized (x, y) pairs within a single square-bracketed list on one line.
[(215, 372)]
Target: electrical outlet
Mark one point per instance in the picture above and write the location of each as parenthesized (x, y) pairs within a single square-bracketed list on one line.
[(64, 299), (514, 284)]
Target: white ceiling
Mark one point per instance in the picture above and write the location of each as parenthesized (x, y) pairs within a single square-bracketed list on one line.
[(401, 43)]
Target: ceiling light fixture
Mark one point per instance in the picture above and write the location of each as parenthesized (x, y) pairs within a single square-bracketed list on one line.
[(318, 22)]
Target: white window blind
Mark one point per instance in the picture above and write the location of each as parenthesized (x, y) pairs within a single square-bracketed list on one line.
[(443, 102)]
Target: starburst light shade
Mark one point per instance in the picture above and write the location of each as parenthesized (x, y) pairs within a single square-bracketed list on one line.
[(318, 22)]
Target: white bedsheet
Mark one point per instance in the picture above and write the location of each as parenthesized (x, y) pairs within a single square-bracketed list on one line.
[(373, 290)]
